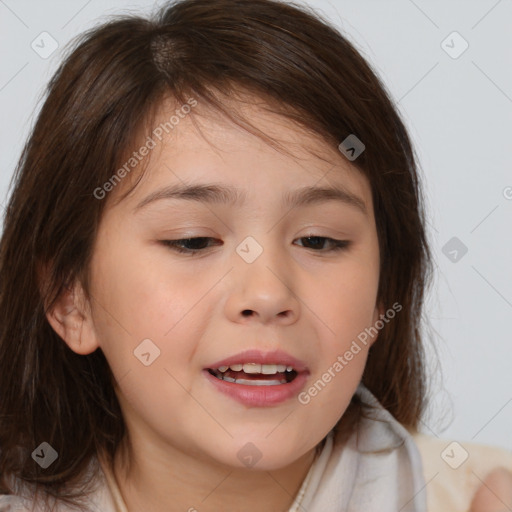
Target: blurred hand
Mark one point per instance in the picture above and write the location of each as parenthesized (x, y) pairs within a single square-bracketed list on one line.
[(495, 494)]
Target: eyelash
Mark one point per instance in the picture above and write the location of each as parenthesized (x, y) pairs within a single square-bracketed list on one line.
[(338, 245)]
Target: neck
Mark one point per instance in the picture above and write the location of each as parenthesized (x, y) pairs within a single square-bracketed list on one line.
[(180, 482)]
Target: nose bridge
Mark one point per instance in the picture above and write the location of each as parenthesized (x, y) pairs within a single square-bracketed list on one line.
[(262, 263), (262, 282)]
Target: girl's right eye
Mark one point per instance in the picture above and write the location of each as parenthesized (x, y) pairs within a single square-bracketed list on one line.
[(196, 244)]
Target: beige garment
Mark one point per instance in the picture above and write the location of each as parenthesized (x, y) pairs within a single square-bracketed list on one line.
[(454, 470)]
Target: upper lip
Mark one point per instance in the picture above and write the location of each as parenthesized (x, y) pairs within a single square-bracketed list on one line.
[(259, 357)]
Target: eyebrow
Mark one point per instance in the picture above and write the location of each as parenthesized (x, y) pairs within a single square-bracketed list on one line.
[(212, 193)]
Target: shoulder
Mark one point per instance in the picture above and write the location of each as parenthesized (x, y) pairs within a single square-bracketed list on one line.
[(454, 470), (97, 498)]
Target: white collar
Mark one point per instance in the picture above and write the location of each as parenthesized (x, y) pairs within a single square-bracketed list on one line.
[(378, 469)]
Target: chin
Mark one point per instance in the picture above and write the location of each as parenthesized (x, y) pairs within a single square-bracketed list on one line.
[(260, 454)]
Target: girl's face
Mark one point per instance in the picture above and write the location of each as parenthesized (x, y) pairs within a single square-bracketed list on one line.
[(262, 283)]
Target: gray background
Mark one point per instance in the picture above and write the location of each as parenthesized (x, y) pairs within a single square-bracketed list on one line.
[(459, 114)]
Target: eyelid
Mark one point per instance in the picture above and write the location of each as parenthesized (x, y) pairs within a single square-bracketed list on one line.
[(337, 245)]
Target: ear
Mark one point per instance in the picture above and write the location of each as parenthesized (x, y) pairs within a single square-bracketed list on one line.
[(70, 317)]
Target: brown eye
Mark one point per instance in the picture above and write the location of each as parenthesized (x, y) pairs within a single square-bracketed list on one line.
[(188, 245), (317, 242)]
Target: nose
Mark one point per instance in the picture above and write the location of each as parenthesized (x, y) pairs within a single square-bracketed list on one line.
[(263, 291)]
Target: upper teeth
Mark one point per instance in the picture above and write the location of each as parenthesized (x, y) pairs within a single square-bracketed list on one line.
[(265, 369)]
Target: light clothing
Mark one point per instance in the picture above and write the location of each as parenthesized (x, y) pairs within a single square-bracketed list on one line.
[(450, 487), (381, 468)]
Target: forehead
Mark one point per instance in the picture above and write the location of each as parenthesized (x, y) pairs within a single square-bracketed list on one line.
[(201, 146)]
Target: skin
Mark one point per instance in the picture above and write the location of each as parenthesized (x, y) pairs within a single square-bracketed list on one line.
[(183, 435), (495, 494)]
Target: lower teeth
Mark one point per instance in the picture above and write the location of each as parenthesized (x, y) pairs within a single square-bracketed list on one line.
[(253, 382), (256, 382)]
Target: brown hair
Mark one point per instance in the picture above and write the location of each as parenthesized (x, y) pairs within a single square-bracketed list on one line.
[(110, 84)]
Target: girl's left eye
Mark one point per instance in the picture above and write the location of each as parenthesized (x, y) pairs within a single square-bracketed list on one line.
[(336, 245), (198, 244)]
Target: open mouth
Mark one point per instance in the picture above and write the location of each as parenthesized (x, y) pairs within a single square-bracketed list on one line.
[(254, 374)]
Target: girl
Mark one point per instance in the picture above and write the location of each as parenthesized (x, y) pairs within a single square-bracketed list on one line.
[(212, 275)]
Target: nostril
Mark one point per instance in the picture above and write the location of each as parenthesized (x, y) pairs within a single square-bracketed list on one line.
[(247, 312)]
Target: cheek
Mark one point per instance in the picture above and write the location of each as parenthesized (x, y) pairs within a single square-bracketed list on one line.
[(348, 311), (347, 305), (139, 289), (136, 301)]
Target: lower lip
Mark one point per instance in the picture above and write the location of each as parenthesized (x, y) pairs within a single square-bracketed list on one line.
[(259, 396)]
